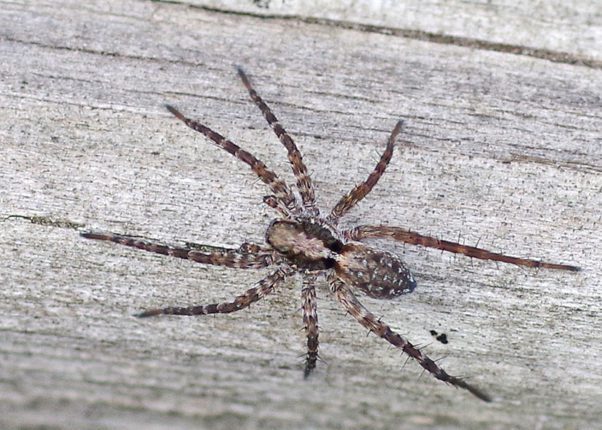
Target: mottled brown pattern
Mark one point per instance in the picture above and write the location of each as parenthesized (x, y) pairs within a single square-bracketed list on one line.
[(379, 274), (303, 241)]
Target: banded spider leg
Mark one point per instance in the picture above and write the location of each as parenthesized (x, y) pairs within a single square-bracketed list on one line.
[(310, 322), (286, 202), (248, 256), (363, 232), (366, 318), (349, 200), (252, 295), (304, 184)]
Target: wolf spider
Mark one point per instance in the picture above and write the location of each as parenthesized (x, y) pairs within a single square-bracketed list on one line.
[(302, 240)]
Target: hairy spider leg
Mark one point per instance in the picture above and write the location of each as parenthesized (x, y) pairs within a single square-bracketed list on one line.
[(252, 295), (375, 325), (310, 321), (237, 259), (397, 233), (294, 155), (282, 192), (360, 191)]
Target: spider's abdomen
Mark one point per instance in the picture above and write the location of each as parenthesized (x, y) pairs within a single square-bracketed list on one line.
[(379, 274)]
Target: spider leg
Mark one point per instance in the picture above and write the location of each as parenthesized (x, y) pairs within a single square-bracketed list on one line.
[(244, 258), (375, 325), (282, 192), (397, 233), (310, 320), (294, 155), (360, 191), (252, 295)]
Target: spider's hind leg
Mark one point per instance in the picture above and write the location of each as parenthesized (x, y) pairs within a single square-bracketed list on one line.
[(375, 325), (397, 233), (252, 295)]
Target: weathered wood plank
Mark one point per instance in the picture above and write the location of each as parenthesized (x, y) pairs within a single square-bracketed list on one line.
[(566, 32), (500, 149)]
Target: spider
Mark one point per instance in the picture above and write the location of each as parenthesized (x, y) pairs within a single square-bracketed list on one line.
[(302, 240)]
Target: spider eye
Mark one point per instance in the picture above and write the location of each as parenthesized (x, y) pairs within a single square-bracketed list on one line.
[(329, 263), (335, 246)]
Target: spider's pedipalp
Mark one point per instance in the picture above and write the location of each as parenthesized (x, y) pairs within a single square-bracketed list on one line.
[(294, 155), (310, 321), (397, 233), (282, 192), (272, 202), (366, 318), (252, 295), (360, 191), (237, 259)]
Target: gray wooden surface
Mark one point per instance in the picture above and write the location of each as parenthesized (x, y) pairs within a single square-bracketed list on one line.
[(552, 29), (499, 149)]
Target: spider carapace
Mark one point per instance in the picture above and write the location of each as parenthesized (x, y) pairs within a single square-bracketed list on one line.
[(302, 240)]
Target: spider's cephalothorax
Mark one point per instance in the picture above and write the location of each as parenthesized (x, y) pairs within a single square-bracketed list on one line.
[(304, 241)]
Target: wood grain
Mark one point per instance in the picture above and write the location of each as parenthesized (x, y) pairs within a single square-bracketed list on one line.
[(556, 30), (499, 149)]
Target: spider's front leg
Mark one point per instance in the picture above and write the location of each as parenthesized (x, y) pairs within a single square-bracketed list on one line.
[(397, 233), (294, 155), (310, 321), (247, 257), (286, 199), (375, 325)]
